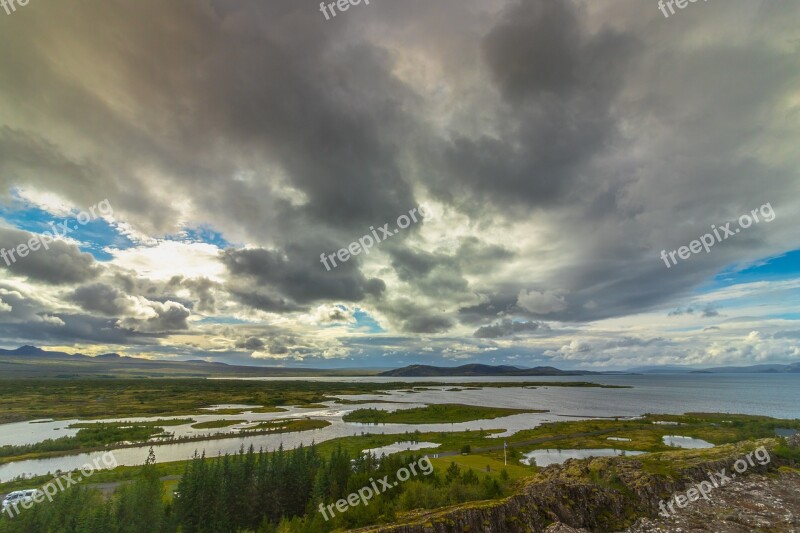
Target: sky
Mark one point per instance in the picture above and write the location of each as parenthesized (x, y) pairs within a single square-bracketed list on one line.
[(211, 158)]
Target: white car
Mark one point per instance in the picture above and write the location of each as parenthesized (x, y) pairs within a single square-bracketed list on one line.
[(19, 497)]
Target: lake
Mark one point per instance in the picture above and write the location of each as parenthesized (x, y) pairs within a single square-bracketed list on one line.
[(776, 395)]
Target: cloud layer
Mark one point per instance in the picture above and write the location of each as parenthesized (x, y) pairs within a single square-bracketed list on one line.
[(560, 146)]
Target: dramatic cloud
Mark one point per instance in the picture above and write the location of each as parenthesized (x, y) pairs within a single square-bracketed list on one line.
[(506, 328), (58, 264), (542, 303), (559, 146)]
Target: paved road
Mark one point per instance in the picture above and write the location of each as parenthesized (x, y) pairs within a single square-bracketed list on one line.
[(108, 488)]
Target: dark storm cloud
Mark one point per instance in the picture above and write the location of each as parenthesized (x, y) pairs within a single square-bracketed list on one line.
[(61, 263), (560, 84), (27, 156), (436, 275), (471, 256), (168, 317), (496, 305), (507, 328), (319, 114), (31, 320), (311, 111), (144, 298), (203, 290), (336, 315), (412, 317), (566, 104), (298, 276), (278, 349), (426, 324), (442, 277), (262, 301), (136, 313), (251, 343), (72, 329), (100, 298), (536, 49), (476, 256), (595, 134)]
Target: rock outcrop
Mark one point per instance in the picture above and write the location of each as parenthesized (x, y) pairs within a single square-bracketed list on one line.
[(600, 494)]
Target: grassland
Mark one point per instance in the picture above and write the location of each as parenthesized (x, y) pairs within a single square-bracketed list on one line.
[(93, 399), (288, 426), (720, 429), (111, 398), (433, 414), (90, 438), (216, 424), (480, 463), (161, 422), (268, 410)]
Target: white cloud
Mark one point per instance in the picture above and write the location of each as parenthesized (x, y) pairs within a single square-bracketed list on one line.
[(172, 258), (47, 201), (541, 302)]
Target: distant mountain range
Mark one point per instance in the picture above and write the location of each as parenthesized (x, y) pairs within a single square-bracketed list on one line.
[(489, 370), (33, 362), (483, 370), (792, 368), (30, 361)]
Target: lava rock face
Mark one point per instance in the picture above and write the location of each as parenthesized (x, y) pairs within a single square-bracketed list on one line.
[(620, 494)]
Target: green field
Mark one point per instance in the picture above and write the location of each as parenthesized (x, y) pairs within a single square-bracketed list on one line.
[(90, 438), (288, 426), (116, 398), (486, 464), (480, 474), (216, 424), (91, 399), (562, 435), (441, 413)]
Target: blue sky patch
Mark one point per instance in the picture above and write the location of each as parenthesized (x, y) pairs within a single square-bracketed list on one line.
[(93, 237)]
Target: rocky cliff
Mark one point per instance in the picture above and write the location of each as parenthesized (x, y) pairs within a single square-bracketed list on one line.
[(600, 494)]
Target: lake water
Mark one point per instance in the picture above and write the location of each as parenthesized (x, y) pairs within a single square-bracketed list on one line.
[(678, 441), (776, 395), (404, 446), (556, 457)]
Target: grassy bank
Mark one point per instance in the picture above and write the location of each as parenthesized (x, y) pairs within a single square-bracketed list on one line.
[(644, 434), (433, 414), (111, 398)]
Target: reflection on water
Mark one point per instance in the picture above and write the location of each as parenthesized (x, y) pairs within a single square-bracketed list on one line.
[(685, 442), (230, 406), (403, 446), (556, 457)]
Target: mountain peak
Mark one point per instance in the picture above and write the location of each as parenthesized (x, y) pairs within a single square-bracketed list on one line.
[(28, 350)]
